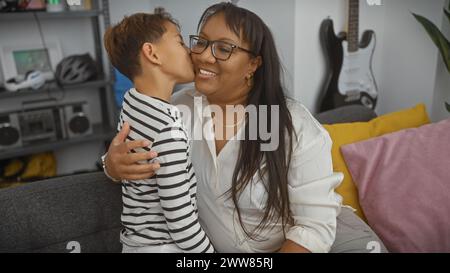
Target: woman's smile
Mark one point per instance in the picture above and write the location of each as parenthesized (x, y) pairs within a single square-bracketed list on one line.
[(205, 74)]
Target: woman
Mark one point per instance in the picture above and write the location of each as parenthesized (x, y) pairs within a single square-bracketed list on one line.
[(251, 199)]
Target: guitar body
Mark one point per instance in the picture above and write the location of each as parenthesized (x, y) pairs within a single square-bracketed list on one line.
[(350, 78)]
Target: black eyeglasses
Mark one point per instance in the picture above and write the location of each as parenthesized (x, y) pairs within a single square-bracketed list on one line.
[(221, 50)]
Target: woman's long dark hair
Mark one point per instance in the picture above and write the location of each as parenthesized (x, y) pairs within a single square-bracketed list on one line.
[(267, 90)]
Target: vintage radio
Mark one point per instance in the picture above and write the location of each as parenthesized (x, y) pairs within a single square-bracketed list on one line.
[(44, 124), (77, 120), (9, 131)]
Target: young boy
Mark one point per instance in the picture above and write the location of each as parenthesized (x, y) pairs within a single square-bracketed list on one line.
[(159, 214)]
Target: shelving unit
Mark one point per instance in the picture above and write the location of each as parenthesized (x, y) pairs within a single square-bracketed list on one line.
[(103, 131), (50, 15), (52, 87)]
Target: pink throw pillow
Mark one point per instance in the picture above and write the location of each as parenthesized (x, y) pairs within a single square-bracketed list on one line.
[(403, 181)]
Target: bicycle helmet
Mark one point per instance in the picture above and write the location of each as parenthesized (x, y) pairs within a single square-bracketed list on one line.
[(76, 69)]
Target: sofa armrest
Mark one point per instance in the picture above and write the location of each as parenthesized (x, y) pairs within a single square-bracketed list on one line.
[(351, 113), (44, 216)]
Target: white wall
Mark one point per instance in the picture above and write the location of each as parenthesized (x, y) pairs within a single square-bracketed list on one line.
[(120, 8), (410, 58), (279, 16)]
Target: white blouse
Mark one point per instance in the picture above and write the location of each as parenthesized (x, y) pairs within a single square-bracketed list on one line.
[(313, 201)]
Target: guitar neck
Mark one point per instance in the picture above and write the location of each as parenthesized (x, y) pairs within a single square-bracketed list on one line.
[(353, 25)]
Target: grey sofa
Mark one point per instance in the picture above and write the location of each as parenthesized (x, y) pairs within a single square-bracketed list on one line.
[(82, 212)]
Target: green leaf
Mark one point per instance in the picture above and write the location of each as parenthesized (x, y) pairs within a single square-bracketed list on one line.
[(447, 106), (447, 12), (438, 38)]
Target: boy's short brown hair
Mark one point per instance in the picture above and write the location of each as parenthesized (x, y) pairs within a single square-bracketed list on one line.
[(124, 41)]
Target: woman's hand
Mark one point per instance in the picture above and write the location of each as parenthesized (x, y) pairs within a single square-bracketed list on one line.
[(291, 247), (121, 164)]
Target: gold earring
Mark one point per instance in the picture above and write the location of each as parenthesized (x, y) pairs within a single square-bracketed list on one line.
[(249, 80)]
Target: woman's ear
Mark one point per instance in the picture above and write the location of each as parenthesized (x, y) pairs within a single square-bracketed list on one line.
[(255, 63), (150, 53)]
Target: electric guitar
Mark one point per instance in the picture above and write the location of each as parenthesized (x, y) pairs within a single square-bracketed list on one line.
[(350, 79)]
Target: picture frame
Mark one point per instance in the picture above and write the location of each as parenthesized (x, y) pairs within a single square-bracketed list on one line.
[(18, 59)]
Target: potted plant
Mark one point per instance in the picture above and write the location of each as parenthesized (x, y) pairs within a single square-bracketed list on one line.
[(439, 39)]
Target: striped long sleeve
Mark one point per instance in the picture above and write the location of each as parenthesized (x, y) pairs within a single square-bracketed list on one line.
[(177, 186), (162, 209)]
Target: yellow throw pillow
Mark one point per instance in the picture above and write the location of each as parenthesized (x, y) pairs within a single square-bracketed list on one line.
[(347, 133)]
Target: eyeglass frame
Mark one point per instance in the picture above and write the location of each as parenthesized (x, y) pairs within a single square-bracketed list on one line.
[(211, 43)]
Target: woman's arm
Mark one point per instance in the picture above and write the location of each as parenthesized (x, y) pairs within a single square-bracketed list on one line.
[(291, 247), (121, 164), (313, 202)]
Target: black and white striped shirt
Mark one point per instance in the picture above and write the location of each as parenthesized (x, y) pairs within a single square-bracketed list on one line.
[(163, 209)]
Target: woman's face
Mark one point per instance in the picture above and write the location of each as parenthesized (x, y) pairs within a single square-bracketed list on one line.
[(223, 81)]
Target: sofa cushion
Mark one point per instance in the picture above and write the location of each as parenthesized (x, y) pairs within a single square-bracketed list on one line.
[(403, 182), (83, 208), (347, 133)]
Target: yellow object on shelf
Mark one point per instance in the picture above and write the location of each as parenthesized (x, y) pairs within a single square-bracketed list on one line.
[(35, 166)]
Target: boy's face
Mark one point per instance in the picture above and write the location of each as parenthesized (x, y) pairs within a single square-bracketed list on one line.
[(176, 58)]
